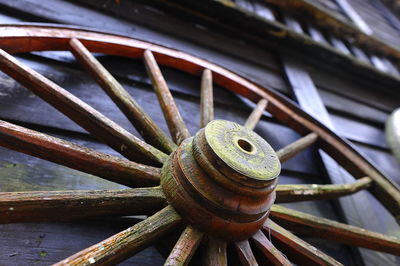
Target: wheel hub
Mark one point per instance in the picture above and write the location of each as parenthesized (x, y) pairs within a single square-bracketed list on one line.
[(222, 180)]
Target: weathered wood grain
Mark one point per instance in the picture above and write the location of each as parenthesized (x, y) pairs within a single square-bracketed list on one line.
[(295, 193), (300, 122), (245, 253), (370, 134), (307, 224), (49, 243), (255, 116), (185, 247), (126, 243), (77, 157), (292, 149), (288, 38), (80, 112), (148, 129), (359, 91), (16, 207), (358, 209), (206, 99), (172, 115), (384, 159), (296, 249), (268, 250), (216, 252), (94, 18)]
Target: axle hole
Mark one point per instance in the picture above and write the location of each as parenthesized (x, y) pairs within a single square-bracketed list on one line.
[(245, 145)]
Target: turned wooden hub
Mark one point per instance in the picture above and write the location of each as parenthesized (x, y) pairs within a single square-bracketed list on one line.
[(222, 180)]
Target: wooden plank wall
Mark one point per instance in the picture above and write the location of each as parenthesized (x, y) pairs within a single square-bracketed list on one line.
[(355, 111), (379, 23)]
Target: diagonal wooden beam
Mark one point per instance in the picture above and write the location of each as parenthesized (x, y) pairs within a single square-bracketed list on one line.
[(356, 210), (360, 34)]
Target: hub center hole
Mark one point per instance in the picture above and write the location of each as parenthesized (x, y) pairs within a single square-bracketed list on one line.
[(245, 145)]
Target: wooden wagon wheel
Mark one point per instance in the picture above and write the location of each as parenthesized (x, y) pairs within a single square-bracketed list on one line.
[(221, 184)]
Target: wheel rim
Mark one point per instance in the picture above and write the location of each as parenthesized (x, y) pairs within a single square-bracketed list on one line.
[(143, 169)]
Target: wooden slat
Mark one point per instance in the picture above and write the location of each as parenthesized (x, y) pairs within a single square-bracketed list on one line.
[(389, 14), (339, 45), (34, 206), (292, 23), (256, 114), (357, 209), (216, 253), (296, 249), (264, 11), (97, 124), (174, 119), (390, 66), (128, 242), (316, 34), (185, 247), (354, 16), (144, 124), (324, 228), (269, 251), (206, 99), (77, 157), (245, 253), (377, 62), (299, 145), (295, 193), (360, 54)]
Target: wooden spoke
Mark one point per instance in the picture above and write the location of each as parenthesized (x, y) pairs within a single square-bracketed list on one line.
[(294, 148), (206, 99), (176, 126), (256, 114), (294, 193), (83, 114), (312, 225), (225, 220), (185, 247), (245, 253), (296, 249), (128, 242), (77, 157), (149, 130), (216, 253), (34, 206), (269, 251)]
